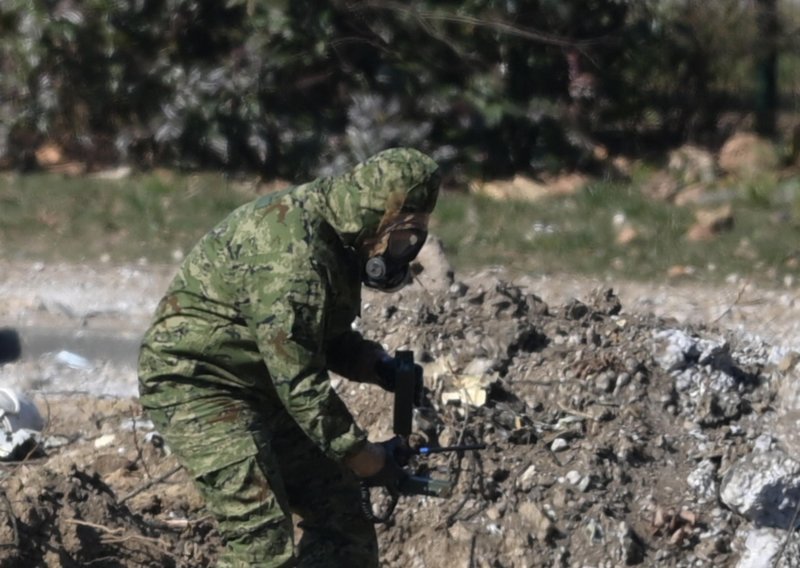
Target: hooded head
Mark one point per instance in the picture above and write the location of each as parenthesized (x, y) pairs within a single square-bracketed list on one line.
[(380, 208)]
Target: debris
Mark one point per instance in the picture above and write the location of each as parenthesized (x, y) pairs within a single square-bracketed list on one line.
[(73, 360), (104, 441), (19, 444), (21, 425), (10, 346)]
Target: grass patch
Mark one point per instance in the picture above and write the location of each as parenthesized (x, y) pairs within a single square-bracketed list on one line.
[(49, 217), (160, 216), (578, 234), (572, 234)]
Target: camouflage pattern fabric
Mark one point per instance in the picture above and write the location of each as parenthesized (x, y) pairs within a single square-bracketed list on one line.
[(234, 368)]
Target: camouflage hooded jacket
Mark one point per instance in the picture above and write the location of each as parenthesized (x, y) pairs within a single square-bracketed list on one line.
[(263, 304)]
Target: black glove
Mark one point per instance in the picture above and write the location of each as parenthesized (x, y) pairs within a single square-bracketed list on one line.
[(386, 371), (392, 473)]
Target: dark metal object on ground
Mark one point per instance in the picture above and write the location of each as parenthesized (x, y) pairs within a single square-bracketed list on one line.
[(10, 345)]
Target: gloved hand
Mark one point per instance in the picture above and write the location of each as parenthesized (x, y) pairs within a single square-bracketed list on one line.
[(386, 371), (392, 473)]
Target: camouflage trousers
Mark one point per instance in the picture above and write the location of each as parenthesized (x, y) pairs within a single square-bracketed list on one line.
[(255, 467)]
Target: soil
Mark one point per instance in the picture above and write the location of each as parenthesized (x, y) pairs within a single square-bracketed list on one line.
[(614, 415)]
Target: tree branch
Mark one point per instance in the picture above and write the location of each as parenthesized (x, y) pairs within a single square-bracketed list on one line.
[(494, 24)]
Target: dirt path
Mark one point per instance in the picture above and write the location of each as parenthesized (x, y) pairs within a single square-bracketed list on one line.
[(122, 298)]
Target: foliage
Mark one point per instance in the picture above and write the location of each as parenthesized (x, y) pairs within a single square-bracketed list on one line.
[(300, 88)]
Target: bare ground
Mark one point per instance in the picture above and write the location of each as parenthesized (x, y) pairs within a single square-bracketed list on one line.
[(613, 423)]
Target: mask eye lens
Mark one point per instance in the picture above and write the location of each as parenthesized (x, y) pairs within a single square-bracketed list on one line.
[(404, 245)]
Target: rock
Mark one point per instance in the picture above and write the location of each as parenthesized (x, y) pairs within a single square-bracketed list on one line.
[(605, 301), (523, 188), (710, 222), (764, 487), (575, 309), (701, 194), (460, 532), (675, 349), (542, 525), (632, 546), (104, 441), (574, 477), (787, 422), (690, 164), (527, 480), (788, 362), (435, 272), (703, 480), (479, 367), (626, 234), (747, 155), (680, 271), (661, 187), (762, 547)]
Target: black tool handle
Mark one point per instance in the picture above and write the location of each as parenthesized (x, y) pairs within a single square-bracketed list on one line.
[(404, 393)]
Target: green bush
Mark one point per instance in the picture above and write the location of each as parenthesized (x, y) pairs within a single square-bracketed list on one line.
[(300, 88)]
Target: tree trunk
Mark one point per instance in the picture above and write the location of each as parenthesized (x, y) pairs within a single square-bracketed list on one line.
[(766, 102)]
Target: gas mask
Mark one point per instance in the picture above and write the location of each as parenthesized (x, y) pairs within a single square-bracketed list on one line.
[(388, 261)]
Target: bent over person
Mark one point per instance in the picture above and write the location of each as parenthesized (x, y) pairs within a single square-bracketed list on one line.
[(234, 369)]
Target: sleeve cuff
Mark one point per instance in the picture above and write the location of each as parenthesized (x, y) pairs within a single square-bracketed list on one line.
[(348, 445)]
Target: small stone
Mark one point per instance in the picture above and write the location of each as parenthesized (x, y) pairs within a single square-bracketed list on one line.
[(460, 533), (788, 361), (541, 523), (594, 531), (623, 380), (527, 480), (632, 547), (559, 445), (104, 441)]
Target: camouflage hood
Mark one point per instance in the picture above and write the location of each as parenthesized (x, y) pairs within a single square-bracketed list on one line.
[(393, 181)]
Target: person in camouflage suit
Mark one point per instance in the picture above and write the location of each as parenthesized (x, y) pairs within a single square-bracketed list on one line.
[(234, 368)]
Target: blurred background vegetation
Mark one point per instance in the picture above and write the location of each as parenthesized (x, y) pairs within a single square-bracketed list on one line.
[(524, 90), (296, 89)]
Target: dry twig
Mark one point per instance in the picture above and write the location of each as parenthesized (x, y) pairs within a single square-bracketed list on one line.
[(735, 302), (495, 25), (577, 413), (139, 454), (115, 536), (150, 483)]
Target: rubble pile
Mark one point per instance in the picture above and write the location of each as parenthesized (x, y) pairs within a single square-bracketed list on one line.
[(613, 439)]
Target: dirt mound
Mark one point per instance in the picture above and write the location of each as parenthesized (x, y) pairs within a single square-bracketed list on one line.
[(613, 438), (100, 493), (609, 432)]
